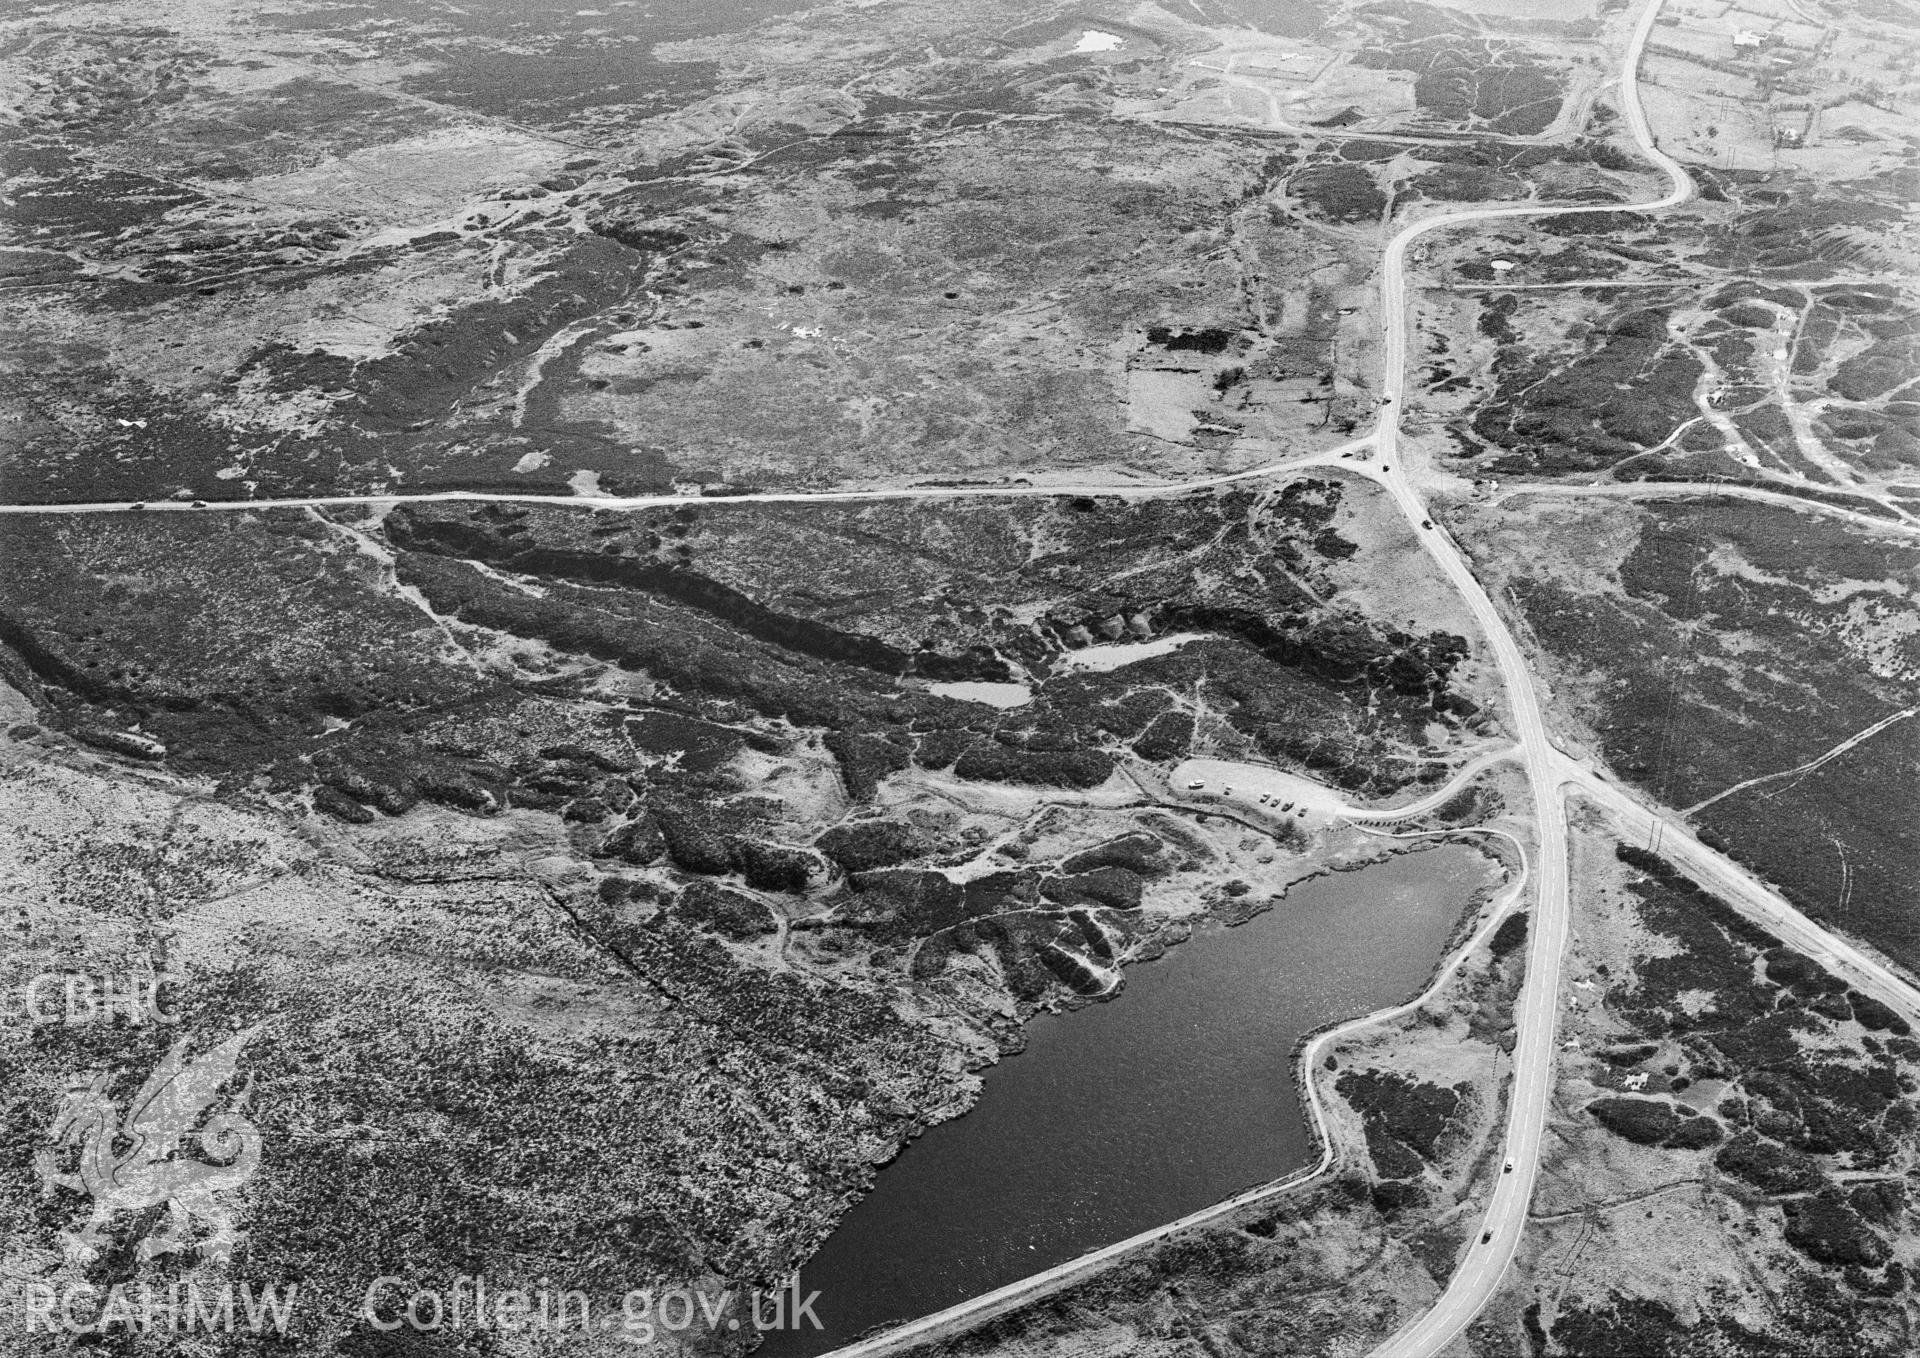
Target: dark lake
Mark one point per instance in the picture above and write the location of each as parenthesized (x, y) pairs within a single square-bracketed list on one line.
[(1126, 1114)]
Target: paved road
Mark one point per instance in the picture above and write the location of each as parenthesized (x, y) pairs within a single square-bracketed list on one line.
[(1229, 787), (1050, 490), (1468, 772), (1478, 1277), (1859, 965), (1475, 1282)]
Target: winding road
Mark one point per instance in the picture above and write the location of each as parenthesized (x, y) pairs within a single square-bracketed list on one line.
[(976, 1311), (1550, 774), (1476, 1279)]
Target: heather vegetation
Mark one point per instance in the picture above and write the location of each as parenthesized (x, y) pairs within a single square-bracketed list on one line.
[(1741, 642)]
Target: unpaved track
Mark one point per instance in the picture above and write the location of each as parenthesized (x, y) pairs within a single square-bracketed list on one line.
[(1684, 490)]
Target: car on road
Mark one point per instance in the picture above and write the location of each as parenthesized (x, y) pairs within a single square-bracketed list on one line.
[(1486, 1237), (1509, 1168)]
